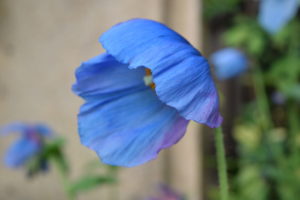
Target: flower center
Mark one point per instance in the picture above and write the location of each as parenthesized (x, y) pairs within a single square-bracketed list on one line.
[(148, 78)]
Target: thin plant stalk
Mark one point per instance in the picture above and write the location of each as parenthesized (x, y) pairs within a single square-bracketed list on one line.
[(221, 162), (262, 99), (64, 176)]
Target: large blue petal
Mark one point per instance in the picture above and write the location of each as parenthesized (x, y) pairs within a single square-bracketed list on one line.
[(274, 14), (229, 62), (20, 152), (181, 75), (130, 130), (123, 120)]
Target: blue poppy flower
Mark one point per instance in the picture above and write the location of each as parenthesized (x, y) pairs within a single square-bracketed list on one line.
[(27, 146), (127, 121), (275, 14), (228, 63)]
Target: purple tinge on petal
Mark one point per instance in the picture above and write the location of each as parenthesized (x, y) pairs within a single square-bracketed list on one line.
[(181, 75), (122, 120), (275, 14), (166, 193)]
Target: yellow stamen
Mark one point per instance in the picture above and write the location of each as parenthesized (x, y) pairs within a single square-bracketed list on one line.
[(148, 72), (152, 85), (148, 75)]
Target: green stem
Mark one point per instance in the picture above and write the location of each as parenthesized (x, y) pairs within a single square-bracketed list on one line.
[(114, 192), (264, 112), (293, 128), (221, 161), (262, 99), (64, 176)]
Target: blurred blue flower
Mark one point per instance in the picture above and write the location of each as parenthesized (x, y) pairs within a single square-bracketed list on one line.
[(127, 120), (275, 14), (278, 98), (27, 146), (166, 193), (229, 63)]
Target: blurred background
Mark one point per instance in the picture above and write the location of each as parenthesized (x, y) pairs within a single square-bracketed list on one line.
[(42, 43)]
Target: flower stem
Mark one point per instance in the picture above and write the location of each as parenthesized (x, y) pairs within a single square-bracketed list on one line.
[(262, 99), (63, 172), (293, 128), (221, 161)]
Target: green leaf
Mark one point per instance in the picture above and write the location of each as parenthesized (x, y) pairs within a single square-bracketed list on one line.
[(284, 75), (215, 8), (53, 150), (91, 181), (251, 184), (246, 34), (288, 37)]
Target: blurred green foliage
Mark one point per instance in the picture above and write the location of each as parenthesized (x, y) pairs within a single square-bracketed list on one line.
[(267, 134), (215, 8), (95, 173), (246, 33), (89, 182), (52, 151)]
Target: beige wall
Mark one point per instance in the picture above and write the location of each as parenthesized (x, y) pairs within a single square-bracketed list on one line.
[(41, 43)]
